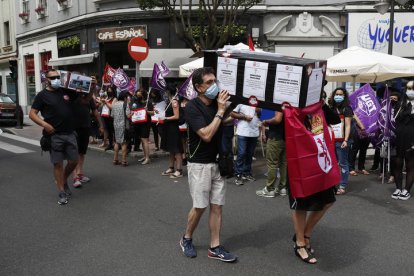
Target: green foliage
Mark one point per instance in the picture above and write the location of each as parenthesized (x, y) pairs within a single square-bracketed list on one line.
[(68, 42), (204, 24), (409, 5)]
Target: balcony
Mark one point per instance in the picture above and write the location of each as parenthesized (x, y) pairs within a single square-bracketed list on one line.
[(41, 11), (63, 3), (24, 16)]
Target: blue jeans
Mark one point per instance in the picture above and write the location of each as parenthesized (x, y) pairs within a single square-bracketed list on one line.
[(245, 150), (342, 155)]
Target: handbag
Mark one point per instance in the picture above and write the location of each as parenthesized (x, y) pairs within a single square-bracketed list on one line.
[(226, 166)]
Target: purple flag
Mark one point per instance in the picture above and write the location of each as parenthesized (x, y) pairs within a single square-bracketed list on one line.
[(132, 86), (157, 80), (164, 69), (366, 107), (187, 90), (386, 122), (120, 79)]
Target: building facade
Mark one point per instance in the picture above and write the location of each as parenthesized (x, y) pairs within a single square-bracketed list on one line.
[(8, 48), (83, 36)]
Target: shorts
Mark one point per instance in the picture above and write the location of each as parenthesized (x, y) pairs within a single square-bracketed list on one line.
[(206, 184), (64, 147), (142, 130), (82, 139)]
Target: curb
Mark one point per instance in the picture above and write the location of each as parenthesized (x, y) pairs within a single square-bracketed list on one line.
[(9, 131)]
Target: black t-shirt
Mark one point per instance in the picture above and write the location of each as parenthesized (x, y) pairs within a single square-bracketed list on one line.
[(198, 115), (82, 111), (277, 132), (56, 108), (346, 111)]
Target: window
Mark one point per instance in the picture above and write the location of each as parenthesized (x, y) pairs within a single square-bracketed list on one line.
[(7, 33), (41, 8), (25, 11)]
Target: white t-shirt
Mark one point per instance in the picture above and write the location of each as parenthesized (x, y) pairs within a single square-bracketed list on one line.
[(246, 128)]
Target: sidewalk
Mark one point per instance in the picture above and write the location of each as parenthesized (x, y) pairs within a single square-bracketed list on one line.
[(31, 130)]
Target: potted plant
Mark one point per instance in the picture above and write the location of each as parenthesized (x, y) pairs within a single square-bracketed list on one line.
[(24, 15), (40, 10)]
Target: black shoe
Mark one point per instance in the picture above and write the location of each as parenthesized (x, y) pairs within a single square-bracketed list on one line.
[(67, 190), (374, 168), (63, 199)]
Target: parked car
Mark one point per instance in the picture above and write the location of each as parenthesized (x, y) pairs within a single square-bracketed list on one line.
[(8, 110)]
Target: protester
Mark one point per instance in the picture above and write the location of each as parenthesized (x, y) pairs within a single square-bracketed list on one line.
[(360, 143), (247, 133), (339, 104), (171, 137), (155, 98), (94, 124), (142, 129), (121, 114), (84, 106), (56, 107), (404, 117), (204, 115), (275, 156), (394, 101), (106, 117), (308, 211)]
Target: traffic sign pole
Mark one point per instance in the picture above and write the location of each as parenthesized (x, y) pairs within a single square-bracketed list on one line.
[(137, 78)]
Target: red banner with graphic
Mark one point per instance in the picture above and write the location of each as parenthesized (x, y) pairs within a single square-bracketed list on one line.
[(310, 151)]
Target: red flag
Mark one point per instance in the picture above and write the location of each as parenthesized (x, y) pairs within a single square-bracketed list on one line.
[(250, 41), (108, 74), (310, 151)]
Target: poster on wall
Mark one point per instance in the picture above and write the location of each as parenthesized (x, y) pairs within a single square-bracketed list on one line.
[(287, 84), (255, 77), (227, 74)]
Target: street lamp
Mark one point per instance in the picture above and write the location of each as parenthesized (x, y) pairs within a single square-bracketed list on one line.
[(382, 7)]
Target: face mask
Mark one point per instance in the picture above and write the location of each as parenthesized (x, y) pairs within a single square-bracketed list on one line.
[(212, 92), (338, 98), (55, 83), (410, 94)]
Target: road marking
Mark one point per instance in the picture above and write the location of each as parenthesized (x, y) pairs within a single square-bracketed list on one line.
[(138, 49), (13, 148), (22, 139)]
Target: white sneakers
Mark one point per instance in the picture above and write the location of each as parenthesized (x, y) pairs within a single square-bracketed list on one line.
[(403, 195)]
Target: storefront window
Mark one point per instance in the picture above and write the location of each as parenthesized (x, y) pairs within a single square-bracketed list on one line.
[(30, 78)]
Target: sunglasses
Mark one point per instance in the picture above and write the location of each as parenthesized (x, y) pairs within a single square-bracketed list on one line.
[(54, 78)]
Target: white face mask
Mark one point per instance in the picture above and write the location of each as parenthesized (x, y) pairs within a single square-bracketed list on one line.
[(410, 94), (55, 83)]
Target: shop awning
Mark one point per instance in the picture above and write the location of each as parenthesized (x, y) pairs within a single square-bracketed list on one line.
[(79, 59), (173, 58)]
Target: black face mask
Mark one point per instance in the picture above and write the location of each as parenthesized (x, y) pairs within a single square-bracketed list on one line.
[(110, 94)]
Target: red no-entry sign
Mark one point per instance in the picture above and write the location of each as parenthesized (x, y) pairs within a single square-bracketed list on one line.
[(138, 49)]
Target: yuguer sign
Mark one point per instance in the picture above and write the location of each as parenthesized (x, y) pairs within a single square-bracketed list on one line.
[(121, 33), (371, 31)]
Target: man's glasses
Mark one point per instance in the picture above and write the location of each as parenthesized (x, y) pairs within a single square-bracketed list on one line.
[(54, 78)]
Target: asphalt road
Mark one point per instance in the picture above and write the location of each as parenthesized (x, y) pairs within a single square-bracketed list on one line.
[(128, 221)]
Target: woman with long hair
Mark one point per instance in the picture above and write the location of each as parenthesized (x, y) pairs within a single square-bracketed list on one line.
[(121, 114), (142, 129), (404, 118), (171, 137), (339, 103), (106, 103)]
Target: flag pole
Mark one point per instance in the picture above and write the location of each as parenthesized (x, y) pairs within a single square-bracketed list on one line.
[(149, 92)]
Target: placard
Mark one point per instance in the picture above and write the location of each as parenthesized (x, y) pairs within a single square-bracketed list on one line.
[(183, 127), (314, 86), (255, 77), (287, 84), (338, 130), (64, 78), (159, 109), (79, 83), (139, 115), (227, 74), (105, 111)]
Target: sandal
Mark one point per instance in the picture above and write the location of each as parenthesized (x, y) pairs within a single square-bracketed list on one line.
[(141, 159), (365, 172), (353, 173), (309, 248), (177, 174), (116, 162), (306, 259), (124, 163), (341, 191), (168, 172)]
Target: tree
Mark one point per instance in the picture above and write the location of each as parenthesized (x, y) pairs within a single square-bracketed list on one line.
[(409, 5), (205, 24)]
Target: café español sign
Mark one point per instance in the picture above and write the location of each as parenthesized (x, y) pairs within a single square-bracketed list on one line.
[(121, 33)]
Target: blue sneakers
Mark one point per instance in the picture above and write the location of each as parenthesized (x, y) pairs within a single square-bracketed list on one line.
[(188, 247), (221, 254)]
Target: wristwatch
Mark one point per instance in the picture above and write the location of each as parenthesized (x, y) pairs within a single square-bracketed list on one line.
[(219, 116)]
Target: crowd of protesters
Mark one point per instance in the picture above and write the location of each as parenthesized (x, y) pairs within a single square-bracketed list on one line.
[(194, 132)]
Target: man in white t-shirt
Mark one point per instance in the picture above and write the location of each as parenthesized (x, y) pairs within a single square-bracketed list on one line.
[(247, 134)]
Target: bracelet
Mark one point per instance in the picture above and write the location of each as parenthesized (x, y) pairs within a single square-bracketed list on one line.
[(346, 141), (219, 116)]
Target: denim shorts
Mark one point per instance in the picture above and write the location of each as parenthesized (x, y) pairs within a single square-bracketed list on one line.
[(206, 184), (64, 147)]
